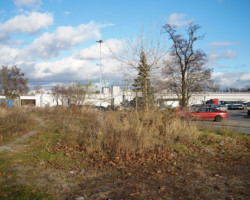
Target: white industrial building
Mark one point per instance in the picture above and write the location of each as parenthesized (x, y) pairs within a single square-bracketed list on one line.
[(115, 96), (199, 98)]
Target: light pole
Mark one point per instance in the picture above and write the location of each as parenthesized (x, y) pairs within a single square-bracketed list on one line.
[(100, 41)]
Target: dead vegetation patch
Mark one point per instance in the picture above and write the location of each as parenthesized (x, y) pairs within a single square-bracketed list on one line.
[(128, 155)]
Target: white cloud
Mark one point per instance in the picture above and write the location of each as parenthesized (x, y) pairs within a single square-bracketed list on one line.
[(81, 66), (66, 13), (218, 52), (245, 77), (84, 65), (217, 45), (226, 55), (232, 79), (75, 67), (64, 38), (30, 23), (229, 54), (177, 19), (71, 68), (65, 65), (217, 74), (93, 52), (8, 55), (213, 56), (90, 53), (28, 3)]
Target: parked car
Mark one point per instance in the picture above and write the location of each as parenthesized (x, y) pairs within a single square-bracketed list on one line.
[(100, 108), (207, 114), (196, 106), (180, 111), (222, 107), (211, 106), (236, 107), (248, 106)]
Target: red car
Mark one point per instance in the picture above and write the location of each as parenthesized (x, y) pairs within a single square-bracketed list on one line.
[(207, 114), (180, 111)]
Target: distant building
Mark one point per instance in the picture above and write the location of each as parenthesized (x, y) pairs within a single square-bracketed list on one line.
[(116, 96)]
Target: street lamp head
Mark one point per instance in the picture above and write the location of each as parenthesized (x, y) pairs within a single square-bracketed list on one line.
[(99, 41)]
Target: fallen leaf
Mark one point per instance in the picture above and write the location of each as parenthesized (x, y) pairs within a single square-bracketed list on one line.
[(219, 188)]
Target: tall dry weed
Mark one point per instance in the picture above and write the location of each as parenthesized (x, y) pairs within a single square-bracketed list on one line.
[(13, 121), (122, 132), (135, 132)]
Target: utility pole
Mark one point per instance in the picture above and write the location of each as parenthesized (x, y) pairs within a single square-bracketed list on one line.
[(100, 41)]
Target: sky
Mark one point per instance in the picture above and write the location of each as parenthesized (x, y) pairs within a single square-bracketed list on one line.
[(54, 41)]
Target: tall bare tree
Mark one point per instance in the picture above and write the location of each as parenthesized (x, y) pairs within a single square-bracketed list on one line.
[(56, 92), (12, 82), (63, 95), (186, 71), (74, 93), (129, 52), (38, 88), (77, 92)]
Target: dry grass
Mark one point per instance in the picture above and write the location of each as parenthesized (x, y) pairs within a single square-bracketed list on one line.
[(153, 152), (119, 132), (13, 122), (71, 138)]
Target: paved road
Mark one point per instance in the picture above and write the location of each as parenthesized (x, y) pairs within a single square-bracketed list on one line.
[(235, 122)]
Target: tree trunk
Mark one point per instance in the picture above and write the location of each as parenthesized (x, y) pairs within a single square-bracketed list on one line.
[(183, 91), (146, 93), (136, 100)]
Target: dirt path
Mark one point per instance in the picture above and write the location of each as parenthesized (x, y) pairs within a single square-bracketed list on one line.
[(18, 144)]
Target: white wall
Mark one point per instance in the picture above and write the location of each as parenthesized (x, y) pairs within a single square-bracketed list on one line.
[(117, 95)]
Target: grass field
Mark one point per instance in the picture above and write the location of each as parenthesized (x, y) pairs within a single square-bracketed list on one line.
[(59, 153)]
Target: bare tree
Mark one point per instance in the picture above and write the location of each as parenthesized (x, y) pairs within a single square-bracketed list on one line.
[(56, 92), (129, 54), (12, 82), (185, 71), (73, 93), (215, 87), (77, 92), (38, 88), (63, 95)]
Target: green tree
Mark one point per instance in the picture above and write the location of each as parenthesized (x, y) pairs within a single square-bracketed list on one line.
[(128, 53), (143, 83)]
